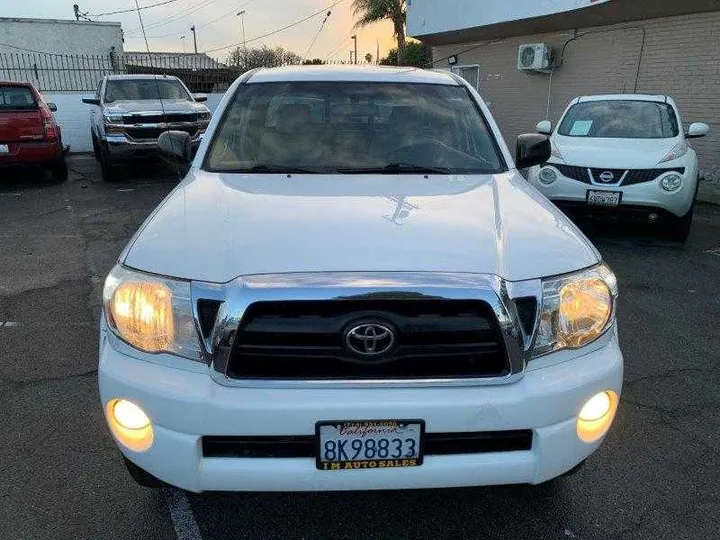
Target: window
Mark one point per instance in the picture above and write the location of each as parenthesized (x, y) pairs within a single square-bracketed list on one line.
[(620, 119), (346, 127), (470, 73), (133, 89), (16, 98)]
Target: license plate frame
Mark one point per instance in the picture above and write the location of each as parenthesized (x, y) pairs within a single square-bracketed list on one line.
[(389, 462), (591, 193), (4, 148)]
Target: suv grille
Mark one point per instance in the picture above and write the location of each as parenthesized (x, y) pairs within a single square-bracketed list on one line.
[(306, 340), (571, 171), (634, 176)]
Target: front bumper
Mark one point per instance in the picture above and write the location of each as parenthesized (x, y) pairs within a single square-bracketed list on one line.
[(186, 405), (123, 148), (648, 196)]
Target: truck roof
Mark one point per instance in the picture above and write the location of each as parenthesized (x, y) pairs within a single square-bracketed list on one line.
[(347, 73), (138, 77)]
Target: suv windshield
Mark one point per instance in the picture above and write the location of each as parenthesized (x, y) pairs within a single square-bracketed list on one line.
[(118, 90), (620, 120), (16, 98), (353, 128)]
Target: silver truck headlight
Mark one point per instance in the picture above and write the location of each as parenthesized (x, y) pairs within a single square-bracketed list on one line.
[(576, 309), (205, 115), (151, 313), (113, 118)]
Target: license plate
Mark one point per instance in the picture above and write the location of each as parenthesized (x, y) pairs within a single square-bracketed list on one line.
[(4, 149), (369, 444), (604, 198)]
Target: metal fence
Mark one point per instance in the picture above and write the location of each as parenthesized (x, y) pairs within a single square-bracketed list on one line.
[(61, 73)]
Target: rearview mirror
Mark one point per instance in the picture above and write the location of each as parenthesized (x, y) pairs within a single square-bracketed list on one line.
[(174, 147), (698, 129), (200, 97), (532, 149), (91, 101), (51, 106), (544, 127)]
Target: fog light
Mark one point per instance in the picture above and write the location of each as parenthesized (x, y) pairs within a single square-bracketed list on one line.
[(671, 182), (596, 416), (547, 175), (129, 424)]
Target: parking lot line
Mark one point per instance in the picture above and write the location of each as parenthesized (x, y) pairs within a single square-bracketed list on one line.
[(182, 516)]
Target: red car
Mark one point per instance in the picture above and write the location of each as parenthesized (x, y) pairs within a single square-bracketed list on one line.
[(29, 134)]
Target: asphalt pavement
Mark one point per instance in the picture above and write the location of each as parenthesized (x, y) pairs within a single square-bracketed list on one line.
[(657, 476)]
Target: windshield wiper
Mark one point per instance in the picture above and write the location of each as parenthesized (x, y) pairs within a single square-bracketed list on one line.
[(269, 168), (396, 168)]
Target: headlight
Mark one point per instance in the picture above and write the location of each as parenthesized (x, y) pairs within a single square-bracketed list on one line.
[(671, 182), (576, 309), (204, 115), (114, 118), (151, 313), (678, 151), (547, 175)]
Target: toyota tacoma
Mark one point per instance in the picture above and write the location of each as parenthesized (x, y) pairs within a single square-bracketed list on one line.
[(354, 288)]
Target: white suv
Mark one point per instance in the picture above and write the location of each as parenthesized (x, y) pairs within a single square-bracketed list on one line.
[(354, 288), (625, 156)]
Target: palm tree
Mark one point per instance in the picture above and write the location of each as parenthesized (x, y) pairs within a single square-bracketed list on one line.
[(372, 11)]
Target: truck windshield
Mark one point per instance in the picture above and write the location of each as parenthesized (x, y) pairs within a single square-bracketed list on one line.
[(16, 98), (132, 89), (620, 120), (353, 128)]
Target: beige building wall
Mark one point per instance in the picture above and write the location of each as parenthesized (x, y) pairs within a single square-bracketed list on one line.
[(680, 57)]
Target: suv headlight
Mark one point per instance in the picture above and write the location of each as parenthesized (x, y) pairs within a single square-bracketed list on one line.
[(151, 313), (204, 115), (576, 309)]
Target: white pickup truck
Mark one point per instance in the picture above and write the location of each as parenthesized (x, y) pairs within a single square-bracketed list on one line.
[(354, 288)]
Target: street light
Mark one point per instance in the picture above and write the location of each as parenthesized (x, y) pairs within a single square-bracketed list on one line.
[(182, 38), (354, 38)]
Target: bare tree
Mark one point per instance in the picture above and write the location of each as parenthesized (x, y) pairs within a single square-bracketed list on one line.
[(247, 59)]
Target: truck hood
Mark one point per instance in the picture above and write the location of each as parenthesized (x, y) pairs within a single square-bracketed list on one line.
[(215, 227), (613, 153), (152, 105)]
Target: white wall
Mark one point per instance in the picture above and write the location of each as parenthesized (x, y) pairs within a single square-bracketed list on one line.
[(74, 117), (430, 16), (60, 37)]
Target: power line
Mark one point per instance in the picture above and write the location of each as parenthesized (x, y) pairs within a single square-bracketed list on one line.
[(278, 30), (223, 16), (322, 25), (174, 17), (336, 50), (131, 10)]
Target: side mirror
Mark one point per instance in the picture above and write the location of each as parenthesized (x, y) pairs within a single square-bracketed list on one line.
[(174, 147), (544, 127), (51, 106), (91, 101), (200, 97), (698, 129), (532, 149)]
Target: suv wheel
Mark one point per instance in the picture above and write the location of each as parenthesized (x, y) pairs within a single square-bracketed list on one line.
[(96, 148), (59, 171), (678, 228)]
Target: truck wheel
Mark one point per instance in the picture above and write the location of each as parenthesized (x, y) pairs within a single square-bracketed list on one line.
[(59, 172), (678, 228), (142, 477), (96, 148), (107, 171)]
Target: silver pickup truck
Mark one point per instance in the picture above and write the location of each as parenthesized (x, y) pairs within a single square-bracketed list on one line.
[(133, 110)]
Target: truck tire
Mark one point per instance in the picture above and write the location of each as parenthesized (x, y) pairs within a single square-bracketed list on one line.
[(107, 170), (678, 228), (96, 148)]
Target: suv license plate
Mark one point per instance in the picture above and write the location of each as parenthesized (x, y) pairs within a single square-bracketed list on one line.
[(604, 198), (369, 444), (4, 149)]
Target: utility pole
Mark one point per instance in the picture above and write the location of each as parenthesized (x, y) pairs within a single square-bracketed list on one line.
[(192, 29), (351, 61), (354, 38), (241, 14)]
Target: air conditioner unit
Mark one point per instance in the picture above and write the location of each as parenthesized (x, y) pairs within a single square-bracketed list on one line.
[(534, 57)]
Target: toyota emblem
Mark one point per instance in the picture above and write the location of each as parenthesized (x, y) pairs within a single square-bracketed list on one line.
[(607, 177), (369, 339)]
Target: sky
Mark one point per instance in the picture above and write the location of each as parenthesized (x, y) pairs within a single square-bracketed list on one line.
[(217, 24)]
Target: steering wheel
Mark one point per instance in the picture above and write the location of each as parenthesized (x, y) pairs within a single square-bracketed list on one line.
[(428, 152)]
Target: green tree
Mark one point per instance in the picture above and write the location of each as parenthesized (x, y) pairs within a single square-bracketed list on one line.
[(416, 54), (371, 11), (313, 62)]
